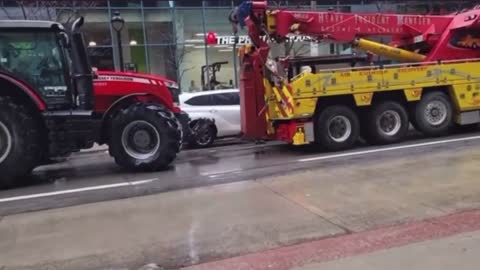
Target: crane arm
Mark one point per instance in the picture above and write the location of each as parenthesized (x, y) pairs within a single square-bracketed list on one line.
[(433, 32)]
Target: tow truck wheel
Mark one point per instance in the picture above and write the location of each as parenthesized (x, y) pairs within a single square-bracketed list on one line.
[(433, 114), (145, 136), (386, 122), (337, 128), (19, 142)]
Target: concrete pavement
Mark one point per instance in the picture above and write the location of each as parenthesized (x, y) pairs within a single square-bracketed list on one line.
[(458, 252), (200, 225)]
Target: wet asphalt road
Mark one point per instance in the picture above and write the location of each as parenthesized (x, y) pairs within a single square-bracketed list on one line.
[(92, 177)]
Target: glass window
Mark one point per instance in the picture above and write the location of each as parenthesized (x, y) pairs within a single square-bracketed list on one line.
[(97, 27), (204, 100), (35, 58), (101, 57), (158, 3), (221, 99), (135, 59), (132, 32), (220, 58), (159, 27), (222, 51), (165, 61), (218, 3), (225, 99), (125, 3), (190, 49), (188, 3)]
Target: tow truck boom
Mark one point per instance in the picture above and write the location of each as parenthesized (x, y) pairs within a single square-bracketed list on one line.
[(431, 33)]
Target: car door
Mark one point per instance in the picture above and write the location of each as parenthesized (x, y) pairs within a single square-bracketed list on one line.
[(227, 107)]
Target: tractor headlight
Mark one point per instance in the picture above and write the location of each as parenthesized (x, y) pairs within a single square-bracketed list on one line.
[(174, 91)]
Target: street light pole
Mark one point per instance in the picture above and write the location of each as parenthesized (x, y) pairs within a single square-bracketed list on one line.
[(120, 51), (117, 24)]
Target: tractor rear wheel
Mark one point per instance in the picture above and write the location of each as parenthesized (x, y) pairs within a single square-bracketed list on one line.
[(20, 146), (145, 136)]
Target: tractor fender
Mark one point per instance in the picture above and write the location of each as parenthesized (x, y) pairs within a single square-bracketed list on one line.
[(26, 90), (123, 102)]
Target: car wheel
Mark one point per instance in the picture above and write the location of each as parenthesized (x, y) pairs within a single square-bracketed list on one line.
[(204, 134)]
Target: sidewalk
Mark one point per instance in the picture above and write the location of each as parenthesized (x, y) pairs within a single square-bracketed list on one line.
[(460, 252), (201, 225), (442, 243)]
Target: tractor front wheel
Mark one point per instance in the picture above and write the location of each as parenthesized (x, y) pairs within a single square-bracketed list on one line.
[(20, 149), (145, 136)]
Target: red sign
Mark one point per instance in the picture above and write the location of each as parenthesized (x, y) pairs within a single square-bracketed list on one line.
[(211, 38)]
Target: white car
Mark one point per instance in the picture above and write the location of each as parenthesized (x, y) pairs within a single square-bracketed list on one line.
[(223, 106)]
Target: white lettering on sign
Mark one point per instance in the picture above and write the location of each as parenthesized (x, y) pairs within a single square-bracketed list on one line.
[(122, 78), (243, 40)]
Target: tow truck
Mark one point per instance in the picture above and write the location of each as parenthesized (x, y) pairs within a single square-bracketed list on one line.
[(434, 84)]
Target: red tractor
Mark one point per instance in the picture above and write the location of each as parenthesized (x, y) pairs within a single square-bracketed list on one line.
[(49, 107)]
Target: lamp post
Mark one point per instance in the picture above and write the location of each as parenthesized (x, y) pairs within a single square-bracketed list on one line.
[(117, 24)]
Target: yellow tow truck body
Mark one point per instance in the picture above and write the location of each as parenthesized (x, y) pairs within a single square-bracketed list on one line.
[(298, 98)]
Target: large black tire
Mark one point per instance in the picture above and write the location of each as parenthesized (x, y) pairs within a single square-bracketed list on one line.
[(337, 128), (145, 136), (386, 122), (20, 142), (433, 114), (204, 133)]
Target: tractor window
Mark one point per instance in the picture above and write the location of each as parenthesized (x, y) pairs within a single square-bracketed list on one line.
[(35, 58)]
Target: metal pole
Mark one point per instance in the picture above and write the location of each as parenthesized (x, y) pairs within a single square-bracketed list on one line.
[(120, 51), (205, 42), (145, 44), (235, 55), (235, 69)]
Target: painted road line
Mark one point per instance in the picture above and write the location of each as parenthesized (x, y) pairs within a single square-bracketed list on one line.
[(76, 190), (220, 172), (386, 149)]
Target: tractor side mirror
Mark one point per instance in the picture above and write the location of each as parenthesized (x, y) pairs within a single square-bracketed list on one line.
[(95, 73)]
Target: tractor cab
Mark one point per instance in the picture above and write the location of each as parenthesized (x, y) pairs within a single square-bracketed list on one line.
[(50, 61)]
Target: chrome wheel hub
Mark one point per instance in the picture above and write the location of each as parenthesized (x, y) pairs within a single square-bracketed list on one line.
[(389, 123), (339, 128), (140, 140), (5, 142)]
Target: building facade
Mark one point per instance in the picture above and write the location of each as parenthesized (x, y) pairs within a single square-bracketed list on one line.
[(168, 37)]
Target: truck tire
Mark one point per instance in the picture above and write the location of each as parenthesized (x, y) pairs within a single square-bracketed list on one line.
[(433, 114), (387, 122), (145, 136), (20, 146), (337, 128)]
